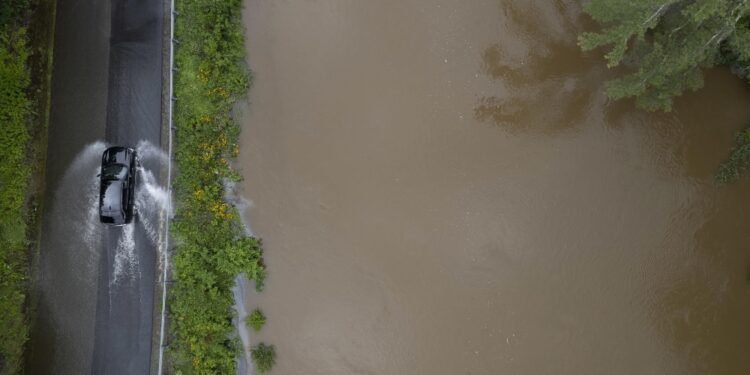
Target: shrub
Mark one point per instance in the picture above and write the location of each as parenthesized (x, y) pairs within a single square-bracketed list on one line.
[(256, 320), (738, 160), (264, 357), (11, 11)]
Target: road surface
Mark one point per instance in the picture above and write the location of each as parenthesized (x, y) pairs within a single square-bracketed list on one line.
[(95, 284)]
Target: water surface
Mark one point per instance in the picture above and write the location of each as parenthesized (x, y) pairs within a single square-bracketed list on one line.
[(443, 188)]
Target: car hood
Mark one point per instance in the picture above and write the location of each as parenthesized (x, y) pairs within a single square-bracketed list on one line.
[(118, 155)]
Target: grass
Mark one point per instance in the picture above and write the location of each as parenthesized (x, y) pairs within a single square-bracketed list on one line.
[(264, 357), (255, 320), (211, 247), (25, 52), (15, 112)]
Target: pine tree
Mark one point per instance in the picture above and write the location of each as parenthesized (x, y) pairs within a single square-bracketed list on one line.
[(666, 43)]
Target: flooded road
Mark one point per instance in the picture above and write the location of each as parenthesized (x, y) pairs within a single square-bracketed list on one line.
[(443, 188), (94, 285)]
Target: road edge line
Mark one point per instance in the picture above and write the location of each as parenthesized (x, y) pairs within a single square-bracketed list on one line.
[(168, 209)]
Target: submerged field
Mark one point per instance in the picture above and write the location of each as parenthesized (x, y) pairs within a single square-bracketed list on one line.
[(444, 188)]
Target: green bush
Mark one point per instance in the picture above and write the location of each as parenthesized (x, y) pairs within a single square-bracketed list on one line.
[(12, 12), (212, 248), (264, 357), (255, 320)]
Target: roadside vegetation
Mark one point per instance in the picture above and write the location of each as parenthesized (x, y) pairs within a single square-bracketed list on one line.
[(25, 47), (211, 248), (15, 107), (665, 44)]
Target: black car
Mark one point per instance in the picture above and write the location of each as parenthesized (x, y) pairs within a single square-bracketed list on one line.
[(117, 186)]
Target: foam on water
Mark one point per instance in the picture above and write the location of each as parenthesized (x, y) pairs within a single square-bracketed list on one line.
[(151, 199), (149, 227), (241, 203), (91, 231), (76, 209), (238, 292), (151, 193), (149, 152), (126, 261)]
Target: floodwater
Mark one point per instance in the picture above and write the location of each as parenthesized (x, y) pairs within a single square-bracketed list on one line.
[(442, 187)]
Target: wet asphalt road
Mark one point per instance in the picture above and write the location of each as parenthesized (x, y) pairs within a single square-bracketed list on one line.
[(95, 284)]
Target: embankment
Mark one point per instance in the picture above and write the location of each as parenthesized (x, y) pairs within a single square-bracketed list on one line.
[(212, 247)]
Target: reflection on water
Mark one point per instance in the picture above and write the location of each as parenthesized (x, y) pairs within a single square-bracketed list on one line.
[(68, 273), (546, 89), (578, 236), (704, 309), (546, 92)]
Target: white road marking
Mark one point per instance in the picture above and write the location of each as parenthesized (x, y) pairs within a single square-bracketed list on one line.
[(164, 215)]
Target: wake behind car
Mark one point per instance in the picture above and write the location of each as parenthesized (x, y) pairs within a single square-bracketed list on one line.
[(117, 186)]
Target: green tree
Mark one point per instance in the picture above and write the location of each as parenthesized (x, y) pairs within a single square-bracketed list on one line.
[(666, 43)]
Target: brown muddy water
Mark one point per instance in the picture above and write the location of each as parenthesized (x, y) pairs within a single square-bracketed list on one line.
[(443, 188)]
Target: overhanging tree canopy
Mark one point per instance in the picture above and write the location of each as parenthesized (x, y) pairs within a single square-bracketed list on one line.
[(667, 42)]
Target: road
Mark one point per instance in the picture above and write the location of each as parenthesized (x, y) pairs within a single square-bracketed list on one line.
[(95, 284)]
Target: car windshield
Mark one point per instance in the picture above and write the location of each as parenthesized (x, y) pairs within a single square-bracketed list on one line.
[(114, 172)]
